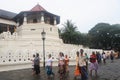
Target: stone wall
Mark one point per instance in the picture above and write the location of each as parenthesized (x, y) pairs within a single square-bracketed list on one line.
[(19, 47)]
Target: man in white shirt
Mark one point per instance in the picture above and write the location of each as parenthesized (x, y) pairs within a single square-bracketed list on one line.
[(49, 66), (104, 57), (82, 65)]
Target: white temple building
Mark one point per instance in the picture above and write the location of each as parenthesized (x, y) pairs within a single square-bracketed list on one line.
[(20, 36)]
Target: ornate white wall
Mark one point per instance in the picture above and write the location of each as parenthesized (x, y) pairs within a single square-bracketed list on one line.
[(19, 47)]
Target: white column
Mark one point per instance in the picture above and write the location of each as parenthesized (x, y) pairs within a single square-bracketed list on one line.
[(8, 28), (42, 18), (25, 19), (8, 34), (55, 21), (17, 24)]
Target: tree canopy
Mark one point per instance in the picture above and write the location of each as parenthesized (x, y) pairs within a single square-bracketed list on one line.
[(105, 36), (101, 36)]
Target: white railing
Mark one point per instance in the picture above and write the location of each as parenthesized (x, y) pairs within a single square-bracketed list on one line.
[(25, 56)]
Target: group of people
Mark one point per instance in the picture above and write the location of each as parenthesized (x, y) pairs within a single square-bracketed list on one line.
[(94, 59), (82, 64), (103, 57), (36, 64), (81, 68), (63, 62)]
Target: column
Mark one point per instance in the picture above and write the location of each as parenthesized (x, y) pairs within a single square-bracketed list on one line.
[(8, 28), (8, 33), (25, 19), (42, 18), (55, 21), (15, 33)]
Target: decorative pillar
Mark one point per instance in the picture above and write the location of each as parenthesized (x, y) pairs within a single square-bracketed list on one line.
[(15, 33), (42, 18), (8, 32), (25, 19), (55, 21), (8, 28)]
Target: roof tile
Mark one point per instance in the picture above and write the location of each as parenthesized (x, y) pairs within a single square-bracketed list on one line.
[(37, 8)]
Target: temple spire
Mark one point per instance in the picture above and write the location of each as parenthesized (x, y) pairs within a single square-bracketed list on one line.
[(38, 8)]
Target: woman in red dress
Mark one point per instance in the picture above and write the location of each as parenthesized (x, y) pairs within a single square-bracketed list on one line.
[(93, 63)]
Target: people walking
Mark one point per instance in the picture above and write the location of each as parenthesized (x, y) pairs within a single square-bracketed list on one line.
[(33, 69), (93, 63), (66, 63), (61, 65), (82, 65), (98, 55), (104, 57), (77, 70), (49, 66), (37, 64), (111, 56)]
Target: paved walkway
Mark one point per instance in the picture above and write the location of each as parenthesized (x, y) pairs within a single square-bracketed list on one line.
[(108, 71)]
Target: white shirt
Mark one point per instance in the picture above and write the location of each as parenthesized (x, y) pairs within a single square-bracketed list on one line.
[(104, 56), (61, 60), (82, 61), (49, 62)]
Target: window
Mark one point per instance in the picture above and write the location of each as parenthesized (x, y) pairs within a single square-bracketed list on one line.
[(32, 29), (34, 20)]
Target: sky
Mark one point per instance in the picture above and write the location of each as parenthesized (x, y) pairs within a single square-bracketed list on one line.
[(85, 14)]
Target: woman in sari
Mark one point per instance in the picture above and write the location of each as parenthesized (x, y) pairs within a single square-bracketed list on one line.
[(66, 63), (61, 65), (77, 71)]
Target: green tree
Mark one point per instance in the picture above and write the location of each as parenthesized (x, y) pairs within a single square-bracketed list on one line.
[(85, 40), (69, 33), (104, 35)]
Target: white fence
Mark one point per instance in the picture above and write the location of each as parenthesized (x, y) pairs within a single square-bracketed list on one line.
[(19, 56)]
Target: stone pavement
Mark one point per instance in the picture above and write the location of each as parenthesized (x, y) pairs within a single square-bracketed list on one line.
[(108, 71)]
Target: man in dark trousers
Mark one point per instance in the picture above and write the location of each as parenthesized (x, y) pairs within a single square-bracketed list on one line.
[(37, 64), (82, 65)]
